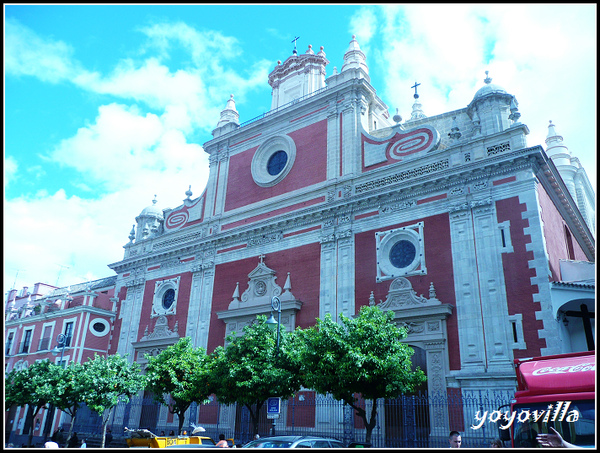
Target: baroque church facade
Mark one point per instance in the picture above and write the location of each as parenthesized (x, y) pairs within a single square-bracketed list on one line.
[(453, 222)]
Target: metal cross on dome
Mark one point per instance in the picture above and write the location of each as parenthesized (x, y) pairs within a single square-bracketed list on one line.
[(294, 41), (415, 87)]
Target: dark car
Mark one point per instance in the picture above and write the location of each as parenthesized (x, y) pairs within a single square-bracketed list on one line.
[(294, 442)]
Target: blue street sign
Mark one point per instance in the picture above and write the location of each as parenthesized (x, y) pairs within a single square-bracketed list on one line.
[(273, 405)]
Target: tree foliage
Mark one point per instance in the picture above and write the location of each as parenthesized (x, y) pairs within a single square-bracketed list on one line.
[(250, 369), (109, 380), (33, 386), (70, 391), (180, 372), (363, 356)]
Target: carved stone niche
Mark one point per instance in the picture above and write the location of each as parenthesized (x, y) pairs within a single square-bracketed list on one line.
[(424, 318), (154, 342), (256, 300)]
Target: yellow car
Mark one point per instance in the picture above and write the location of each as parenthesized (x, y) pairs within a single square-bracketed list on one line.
[(142, 438)]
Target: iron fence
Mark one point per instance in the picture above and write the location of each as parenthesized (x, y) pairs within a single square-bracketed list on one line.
[(411, 421)]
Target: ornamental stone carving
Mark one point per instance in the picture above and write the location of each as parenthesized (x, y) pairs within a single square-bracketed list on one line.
[(256, 300)]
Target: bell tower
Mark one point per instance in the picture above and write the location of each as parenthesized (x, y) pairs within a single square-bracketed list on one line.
[(298, 76)]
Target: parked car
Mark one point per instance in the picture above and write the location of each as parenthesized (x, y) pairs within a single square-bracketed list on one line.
[(294, 442)]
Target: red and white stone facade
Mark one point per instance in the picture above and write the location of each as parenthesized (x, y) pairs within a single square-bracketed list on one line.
[(453, 222)]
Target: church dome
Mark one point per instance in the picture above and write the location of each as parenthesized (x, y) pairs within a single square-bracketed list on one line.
[(152, 211), (489, 88)]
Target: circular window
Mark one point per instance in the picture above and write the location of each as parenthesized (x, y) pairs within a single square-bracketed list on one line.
[(99, 327), (168, 298), (402, 254), (277, 162), (273, 160)]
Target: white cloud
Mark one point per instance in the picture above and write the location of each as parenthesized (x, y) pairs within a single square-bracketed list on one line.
[(11, 168), (125, 148), (543, 54), (27, 54)]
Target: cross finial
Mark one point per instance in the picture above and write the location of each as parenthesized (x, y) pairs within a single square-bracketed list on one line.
[(294, 41), (487, 79), (416, 96), (261, 257)]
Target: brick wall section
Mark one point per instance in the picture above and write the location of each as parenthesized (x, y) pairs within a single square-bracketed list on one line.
[(303, 263), (438, 259), (554, 232), (518, 275), (309, 168), (183, 301)]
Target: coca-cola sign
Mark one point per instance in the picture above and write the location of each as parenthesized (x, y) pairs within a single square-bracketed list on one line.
[(579, 368)]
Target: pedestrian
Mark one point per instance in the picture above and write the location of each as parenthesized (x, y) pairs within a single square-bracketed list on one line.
[(256, 436), (222, 442), (108, 438), (84, 444), (171, 433), (57, 436), (496, 443), (73, 441), (455, 439)]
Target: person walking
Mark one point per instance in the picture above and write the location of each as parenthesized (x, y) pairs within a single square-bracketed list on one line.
[(73, 441), (455, 439), (222, 442)]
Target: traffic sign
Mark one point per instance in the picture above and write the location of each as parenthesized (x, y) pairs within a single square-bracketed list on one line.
[(273, 406)]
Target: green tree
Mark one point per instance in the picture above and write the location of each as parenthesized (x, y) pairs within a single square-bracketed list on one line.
[(180, 371), (70, 391), (251, 369), (33, 386), (363, 356), (109, 380)]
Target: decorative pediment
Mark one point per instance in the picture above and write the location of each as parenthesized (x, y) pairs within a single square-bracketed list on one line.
[(256, 300), (261, 288), (154, 342), (423, 318), (161, 330), (401, 295)]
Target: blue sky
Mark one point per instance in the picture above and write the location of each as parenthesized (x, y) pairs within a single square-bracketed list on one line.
[(108, 105)]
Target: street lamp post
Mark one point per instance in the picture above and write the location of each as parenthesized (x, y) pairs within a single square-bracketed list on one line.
[(61, 341), (275, 306)]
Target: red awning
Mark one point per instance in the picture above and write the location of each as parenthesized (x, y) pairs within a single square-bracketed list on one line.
[(569, 373)]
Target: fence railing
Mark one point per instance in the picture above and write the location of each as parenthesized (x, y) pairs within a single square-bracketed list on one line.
[(414, 421), (281, 107)]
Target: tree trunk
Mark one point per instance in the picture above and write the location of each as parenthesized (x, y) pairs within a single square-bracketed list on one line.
[(31, 425), (254, 415), (369, 424), (104, 423)]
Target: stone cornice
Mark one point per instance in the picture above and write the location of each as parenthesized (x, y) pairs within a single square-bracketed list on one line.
[(60, 314)]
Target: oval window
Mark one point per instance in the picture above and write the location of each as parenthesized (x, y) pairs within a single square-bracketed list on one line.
[(98, 327), (402, 254), (277, 162), (168, 298)]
